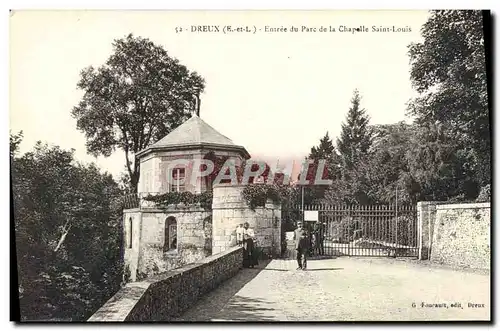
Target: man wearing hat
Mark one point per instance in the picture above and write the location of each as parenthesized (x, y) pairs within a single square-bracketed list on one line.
[(301, 245)]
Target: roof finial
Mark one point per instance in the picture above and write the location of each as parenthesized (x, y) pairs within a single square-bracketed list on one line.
[(198, 102)]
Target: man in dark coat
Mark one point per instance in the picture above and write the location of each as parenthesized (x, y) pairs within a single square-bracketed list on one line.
[(302, 246), (319, 236)]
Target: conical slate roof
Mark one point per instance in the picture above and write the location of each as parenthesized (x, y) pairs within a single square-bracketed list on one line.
[(194, 133)]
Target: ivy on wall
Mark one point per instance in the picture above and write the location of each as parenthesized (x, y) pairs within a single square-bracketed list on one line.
[(187, 198), (256, 195)]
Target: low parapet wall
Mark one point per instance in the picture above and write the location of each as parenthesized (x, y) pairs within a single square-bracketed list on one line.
[(162, 297)]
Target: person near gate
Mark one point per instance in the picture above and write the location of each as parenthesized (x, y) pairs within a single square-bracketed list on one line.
[(301, 246), (249, 254), (319, 239)]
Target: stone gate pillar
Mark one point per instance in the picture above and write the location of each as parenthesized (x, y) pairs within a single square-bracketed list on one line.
[(229, 209), (226, 200), (426, 213)]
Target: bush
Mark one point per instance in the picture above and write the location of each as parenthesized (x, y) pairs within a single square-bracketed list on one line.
[(256, 195)]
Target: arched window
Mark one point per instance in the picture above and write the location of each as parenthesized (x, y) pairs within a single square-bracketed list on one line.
[(170, 234), (130, 232)]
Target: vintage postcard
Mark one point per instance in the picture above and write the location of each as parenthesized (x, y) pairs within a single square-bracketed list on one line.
[(273, 166)]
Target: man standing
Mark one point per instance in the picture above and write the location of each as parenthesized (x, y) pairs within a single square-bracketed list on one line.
[(319, 236), (302, 246)]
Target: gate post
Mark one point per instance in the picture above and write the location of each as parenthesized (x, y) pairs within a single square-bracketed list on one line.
[(426, 213)]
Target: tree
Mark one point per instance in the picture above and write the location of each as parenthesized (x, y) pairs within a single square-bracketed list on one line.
[(355, 137), (125, 183), (68, 234), (15, 140), (442, 170), (136, 98), (448, 69), (386, 170), (353, 145), (326, 153)]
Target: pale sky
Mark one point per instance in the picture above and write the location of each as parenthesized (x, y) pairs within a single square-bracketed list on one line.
[(276, 94)]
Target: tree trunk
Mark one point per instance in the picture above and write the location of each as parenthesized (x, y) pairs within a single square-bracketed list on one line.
[(65, 232), (134, 179)]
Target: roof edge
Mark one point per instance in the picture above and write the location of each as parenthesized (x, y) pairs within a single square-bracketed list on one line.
[(180, 147)]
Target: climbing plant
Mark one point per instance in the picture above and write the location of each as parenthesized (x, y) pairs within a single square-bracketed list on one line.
[(256, 195), (174, 198)]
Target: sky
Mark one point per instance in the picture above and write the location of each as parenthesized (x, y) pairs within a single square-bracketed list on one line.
[(276, 93)]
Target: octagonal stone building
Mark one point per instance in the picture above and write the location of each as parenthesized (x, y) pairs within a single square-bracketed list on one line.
[(191, 140), (160, 239)]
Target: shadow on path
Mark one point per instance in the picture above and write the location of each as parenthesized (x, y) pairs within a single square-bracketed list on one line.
[(246, 309), (308, 269), (323, 269), (214, 301)]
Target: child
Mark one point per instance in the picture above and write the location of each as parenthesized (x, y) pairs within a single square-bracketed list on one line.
[(239, 235)]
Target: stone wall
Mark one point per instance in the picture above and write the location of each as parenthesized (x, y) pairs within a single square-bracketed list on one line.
[(230, 209), (147, 256), (165, 296), (455, 234), (461, 235), (131, 240)]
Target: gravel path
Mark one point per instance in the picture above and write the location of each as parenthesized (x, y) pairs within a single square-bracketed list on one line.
[(347, 289)]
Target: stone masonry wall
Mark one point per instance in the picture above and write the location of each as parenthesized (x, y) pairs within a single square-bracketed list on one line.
[(147, 256), (131, 239), (461, 235), (165, 296), (230, 210)]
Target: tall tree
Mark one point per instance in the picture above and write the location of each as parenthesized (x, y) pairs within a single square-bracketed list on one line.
[(353, 145), (448, 68), (355, 137), (137, 97)]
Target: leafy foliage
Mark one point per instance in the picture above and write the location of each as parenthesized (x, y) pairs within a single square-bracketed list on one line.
[(256, 195), (324, 152), (187, 198), (68, 234), (136, 98), (449, 69), (15, 140), (446, 153)]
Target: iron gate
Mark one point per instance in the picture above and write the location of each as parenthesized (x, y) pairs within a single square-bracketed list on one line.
[(358, 230)]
